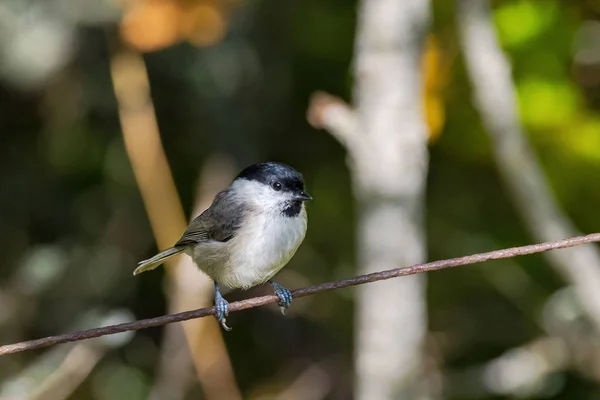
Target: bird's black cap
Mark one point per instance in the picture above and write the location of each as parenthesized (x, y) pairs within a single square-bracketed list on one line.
[(272, 172)]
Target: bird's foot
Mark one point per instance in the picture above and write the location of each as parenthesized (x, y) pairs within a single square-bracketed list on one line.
[(222, 307), (285, 296)]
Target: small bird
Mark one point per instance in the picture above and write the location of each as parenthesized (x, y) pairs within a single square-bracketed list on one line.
[(250, 231)]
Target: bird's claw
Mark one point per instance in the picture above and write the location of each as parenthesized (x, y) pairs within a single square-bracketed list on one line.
[(222, 307), (285, 297)]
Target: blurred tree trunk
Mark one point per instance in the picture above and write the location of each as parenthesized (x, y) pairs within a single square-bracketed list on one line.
[(386, 140)]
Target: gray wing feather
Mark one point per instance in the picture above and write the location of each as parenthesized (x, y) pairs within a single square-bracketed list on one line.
[(217, 223)]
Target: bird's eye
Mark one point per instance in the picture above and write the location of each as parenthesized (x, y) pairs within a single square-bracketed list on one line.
[(276, 186)]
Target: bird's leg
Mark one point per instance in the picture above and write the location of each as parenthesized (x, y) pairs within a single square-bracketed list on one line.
[(285, 296), (222, 307)]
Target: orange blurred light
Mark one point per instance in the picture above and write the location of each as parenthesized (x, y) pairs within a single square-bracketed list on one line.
[(203, 24), (152, 25)]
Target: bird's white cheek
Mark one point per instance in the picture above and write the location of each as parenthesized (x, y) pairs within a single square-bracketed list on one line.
[(260, 196)]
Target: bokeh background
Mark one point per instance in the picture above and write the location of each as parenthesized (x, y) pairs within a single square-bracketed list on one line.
[(87, 87)]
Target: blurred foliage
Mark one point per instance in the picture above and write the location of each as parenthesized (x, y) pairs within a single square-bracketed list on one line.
[(234, 77)]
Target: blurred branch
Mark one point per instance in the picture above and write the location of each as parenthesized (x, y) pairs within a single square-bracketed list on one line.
[(190, 289), (520, 372), (263, 300), (71, 373), (534, 370), (494, 91), (153, 175), (57, 373), (333, 114), (313, 383), (144, 147)]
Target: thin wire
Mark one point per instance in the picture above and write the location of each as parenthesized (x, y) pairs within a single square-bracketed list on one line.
[(307, 291)]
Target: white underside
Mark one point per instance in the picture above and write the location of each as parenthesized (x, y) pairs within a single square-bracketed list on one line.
[(263, 246)]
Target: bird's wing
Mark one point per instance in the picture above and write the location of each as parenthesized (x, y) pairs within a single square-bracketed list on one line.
[(218, 223)]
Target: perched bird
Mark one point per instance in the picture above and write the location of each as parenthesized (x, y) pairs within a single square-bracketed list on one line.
[(250, 231)]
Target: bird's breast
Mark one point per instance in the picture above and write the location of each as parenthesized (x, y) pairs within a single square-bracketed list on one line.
[(263, 246)]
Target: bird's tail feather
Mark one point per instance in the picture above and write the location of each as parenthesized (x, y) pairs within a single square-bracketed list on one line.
[(158, 259)]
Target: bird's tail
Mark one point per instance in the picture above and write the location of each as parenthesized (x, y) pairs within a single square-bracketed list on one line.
[(158, 259)]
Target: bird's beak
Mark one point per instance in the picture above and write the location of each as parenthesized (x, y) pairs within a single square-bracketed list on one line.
[(302, 196)]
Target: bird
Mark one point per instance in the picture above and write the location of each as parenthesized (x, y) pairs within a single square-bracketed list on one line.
[(249, 233)]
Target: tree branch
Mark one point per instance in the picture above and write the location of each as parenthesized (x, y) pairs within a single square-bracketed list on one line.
[(336, 116), (263, 300), (495, 96)]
